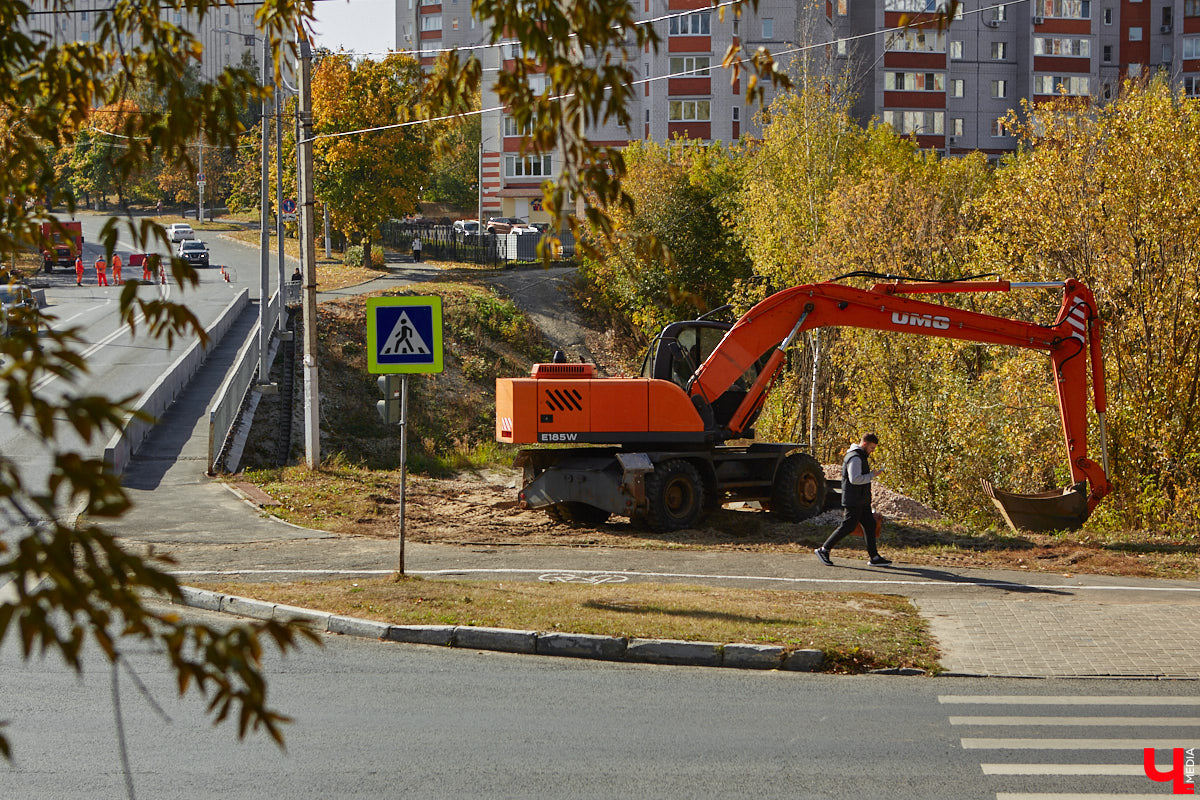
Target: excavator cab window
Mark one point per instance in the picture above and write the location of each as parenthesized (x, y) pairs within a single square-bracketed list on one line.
[(682, 347)]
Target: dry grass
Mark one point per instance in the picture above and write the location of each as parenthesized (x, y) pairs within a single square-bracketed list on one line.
[(331, 275), (856, 631)]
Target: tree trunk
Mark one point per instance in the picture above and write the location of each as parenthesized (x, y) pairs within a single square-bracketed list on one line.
[(366, 246)]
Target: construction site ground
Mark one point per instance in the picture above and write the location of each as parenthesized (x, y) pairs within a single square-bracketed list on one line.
[(985, 621)]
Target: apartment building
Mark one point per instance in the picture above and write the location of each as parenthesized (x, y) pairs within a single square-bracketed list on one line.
[(685, 92), (951, 87), (227, 34)]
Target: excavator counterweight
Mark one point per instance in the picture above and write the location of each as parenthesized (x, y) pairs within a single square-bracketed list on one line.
[(655, 447)]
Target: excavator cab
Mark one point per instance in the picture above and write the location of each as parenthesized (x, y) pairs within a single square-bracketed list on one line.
[(682, 347)]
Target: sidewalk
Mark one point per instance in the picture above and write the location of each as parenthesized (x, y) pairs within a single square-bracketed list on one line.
[(987, 622)]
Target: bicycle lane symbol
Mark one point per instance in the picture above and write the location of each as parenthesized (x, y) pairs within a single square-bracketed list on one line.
[(577, 577)]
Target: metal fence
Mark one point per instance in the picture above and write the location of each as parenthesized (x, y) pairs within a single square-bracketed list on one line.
[(440, 241)]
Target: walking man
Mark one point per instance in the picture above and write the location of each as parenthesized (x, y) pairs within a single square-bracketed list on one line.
[(856, 501), (116, 270), (79, 270), (416, 248), (101, 271)]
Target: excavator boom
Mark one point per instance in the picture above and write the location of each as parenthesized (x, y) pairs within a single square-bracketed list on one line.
[(1070, 340)]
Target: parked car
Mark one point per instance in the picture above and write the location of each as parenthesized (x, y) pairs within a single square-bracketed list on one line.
[(501, 225), (180, 231), (541, 227), (18, 308), (195, 252), (464, 228)]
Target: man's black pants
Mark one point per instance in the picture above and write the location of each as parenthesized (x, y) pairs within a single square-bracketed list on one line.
[(851, 516)]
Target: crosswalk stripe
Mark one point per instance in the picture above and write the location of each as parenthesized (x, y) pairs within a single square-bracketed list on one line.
[(1067, 700), (1073, 744), (1069, 769), (1131, 722), (1075, 796)]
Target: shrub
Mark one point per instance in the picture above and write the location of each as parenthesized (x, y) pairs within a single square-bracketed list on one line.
[(354, 256)]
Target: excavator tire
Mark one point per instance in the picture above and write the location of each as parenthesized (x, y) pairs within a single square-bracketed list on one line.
[(799, 490), (674, 496), (576, 514)]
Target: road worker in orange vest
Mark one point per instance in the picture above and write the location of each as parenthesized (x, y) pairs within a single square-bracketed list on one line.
[(79, 270), (147, 274), (101, 272), (116, 269)]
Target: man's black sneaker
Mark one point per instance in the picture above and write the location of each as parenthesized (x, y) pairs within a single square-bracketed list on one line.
[(878, 561), (823, 554)]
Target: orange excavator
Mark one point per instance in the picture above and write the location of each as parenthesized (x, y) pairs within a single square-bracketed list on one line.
[(653, 448)]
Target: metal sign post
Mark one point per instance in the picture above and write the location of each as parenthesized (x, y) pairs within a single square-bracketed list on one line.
[(404, 336)]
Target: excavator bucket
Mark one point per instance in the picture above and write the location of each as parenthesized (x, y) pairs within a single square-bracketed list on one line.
[(1058, 510)]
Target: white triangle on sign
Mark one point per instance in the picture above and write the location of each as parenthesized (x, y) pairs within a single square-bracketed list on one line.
[(404, 339)]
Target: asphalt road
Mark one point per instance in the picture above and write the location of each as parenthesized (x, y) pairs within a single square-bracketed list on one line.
[(381, 720)]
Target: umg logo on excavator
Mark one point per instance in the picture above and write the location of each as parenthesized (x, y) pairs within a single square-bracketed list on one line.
[(920, 320)]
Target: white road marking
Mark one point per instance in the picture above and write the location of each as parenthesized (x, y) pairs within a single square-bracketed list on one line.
[(1069, 769), (1074, 744), (1068, 700), (964, 584), (1075, 796), (1137, 722)]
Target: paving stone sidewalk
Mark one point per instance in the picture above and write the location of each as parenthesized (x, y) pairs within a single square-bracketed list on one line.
[(1065, 638)]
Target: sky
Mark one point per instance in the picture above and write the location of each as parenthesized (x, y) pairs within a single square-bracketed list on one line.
[(359, 26)]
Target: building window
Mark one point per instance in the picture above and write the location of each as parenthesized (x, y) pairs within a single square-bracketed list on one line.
[(1166, 54), (1108, 54), (998, 128), (690, 65), (1191, 8), (1060, 84), (956, 50), (917, 41), (843, 7), (1134, 70), (999, 51), (1108, 16), (1191, 86), (927, 6), (958, 87), (510, 128), (688, 111), (768, 28), (527, 167), (512, 50), (956, 126), (431, 22), (914, 81), (1068, 9), (1135, 34), (1191, 47), (924, 123), (537, 83), (454, 24), (1000, 13), (1000, 89), (647, 116), (1166, 17), (699, 24), (1080, 48), (842, 49), (737, 114)]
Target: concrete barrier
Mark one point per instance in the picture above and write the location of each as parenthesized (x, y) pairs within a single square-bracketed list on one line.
[(158, 398)]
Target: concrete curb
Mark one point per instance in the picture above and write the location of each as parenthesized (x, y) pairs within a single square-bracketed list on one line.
[(569, 645)]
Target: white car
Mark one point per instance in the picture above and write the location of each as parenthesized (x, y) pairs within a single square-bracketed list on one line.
[(180, 231)]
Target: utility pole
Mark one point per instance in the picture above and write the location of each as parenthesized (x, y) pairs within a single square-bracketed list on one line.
[(479, 233), (279, 209), (308, 264), (200, 185), (264, 236)]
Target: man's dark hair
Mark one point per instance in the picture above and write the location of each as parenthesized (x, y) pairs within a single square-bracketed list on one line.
[(870, 437)]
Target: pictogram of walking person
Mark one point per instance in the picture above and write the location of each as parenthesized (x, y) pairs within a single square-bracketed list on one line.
[(402, 343)]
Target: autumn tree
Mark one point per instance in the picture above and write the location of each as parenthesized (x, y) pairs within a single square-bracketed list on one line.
[(683, 194), (73, 586), (454, 173), (369, 178)]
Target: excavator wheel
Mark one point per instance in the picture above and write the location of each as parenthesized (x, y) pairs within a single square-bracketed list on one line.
[(674, 496), (576, 514), (799, 490)]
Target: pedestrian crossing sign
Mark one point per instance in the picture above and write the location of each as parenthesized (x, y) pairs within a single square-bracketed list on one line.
[(404, 334)]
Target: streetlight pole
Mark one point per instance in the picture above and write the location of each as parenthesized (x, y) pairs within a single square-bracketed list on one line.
[(308, 265), (279, 207)]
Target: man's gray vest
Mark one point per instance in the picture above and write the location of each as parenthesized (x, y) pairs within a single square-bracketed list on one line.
[(855, 494)]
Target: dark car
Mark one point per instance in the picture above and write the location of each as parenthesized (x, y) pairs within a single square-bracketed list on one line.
[(194, 251)]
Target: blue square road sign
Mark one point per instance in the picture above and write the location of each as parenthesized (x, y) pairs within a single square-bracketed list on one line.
[(404, 334)]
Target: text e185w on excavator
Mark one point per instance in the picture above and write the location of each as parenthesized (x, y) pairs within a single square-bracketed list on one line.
[(653, 448)]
